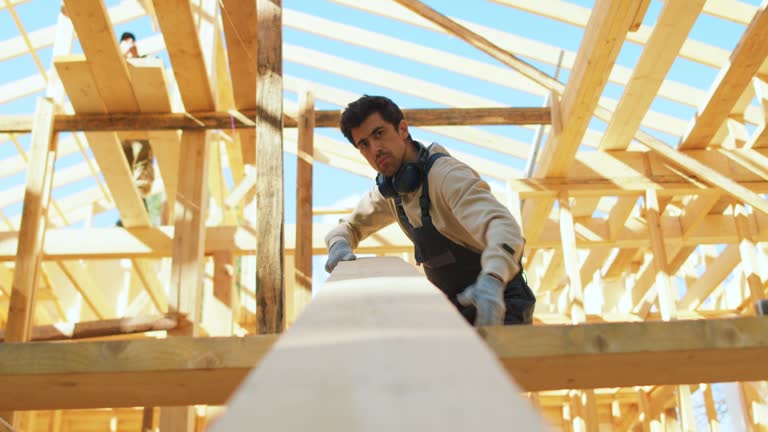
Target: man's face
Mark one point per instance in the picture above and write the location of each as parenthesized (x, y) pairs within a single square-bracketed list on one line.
[(382, 145)]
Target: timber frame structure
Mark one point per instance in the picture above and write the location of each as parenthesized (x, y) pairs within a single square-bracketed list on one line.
[(647, 255)]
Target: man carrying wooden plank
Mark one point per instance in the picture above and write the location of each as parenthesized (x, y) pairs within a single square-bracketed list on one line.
[(469, 243)]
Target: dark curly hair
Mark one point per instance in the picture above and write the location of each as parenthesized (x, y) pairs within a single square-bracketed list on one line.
[(356, 112)]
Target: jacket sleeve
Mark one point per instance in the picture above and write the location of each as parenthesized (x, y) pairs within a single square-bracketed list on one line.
[(485, 219), (371, 214)]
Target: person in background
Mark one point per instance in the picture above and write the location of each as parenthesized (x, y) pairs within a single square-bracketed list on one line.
[(468, 242)]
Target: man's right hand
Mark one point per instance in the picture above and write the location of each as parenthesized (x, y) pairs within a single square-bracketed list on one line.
[(339, 251)]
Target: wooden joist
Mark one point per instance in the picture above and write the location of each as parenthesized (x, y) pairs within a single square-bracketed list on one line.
[(101, 328), (388, 352), (156, 242), (154, 119), (160, 372), (627, 354), (186, 370)]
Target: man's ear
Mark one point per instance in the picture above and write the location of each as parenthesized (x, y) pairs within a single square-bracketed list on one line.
[(402, 129)]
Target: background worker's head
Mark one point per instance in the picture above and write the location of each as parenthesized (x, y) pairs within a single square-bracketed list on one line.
[(376, 127), (128, 45)]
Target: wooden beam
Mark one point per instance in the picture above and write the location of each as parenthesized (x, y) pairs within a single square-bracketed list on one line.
[(639, 353), (714, 275), (34, 221), (189, 238), (240, 22), (156, 372), (665, 291), (185, 52), (669, 34), (373, 322), (33, 228), (157, 242), (207, 370), (734, 78), (101, 328), (607, 27), (156, 119), (302, 285), (571, 260), (269, 167), (747, 252)]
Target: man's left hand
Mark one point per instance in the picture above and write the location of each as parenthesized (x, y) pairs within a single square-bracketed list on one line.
[(487, 294)]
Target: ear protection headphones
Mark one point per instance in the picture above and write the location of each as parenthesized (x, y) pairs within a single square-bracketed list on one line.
[(407, 179)]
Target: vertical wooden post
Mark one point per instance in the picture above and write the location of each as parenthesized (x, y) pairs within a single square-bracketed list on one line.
[(34, 219), (747, 251), (224, 287), (148, 419), (269, 167), (303, 274), (187, 265), (666, 292), (571, 258)]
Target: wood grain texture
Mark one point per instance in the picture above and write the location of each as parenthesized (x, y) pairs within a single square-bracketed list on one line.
[(269, 168), (388, 352), (34, 219)]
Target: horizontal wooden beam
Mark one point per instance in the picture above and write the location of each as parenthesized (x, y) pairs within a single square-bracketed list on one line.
[(186, 370), (246, 119), (101, 328), (156, 242), (629, 354), (141, 372)]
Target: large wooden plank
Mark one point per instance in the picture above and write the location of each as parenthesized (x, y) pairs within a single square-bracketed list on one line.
[(379, 336), (269, 168)]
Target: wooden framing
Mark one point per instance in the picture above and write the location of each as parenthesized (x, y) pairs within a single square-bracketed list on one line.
[(224, 120), (269, 168), (693, 248)]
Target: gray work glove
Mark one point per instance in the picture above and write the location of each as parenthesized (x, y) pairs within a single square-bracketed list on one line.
[(487, 294), (339, 251)]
